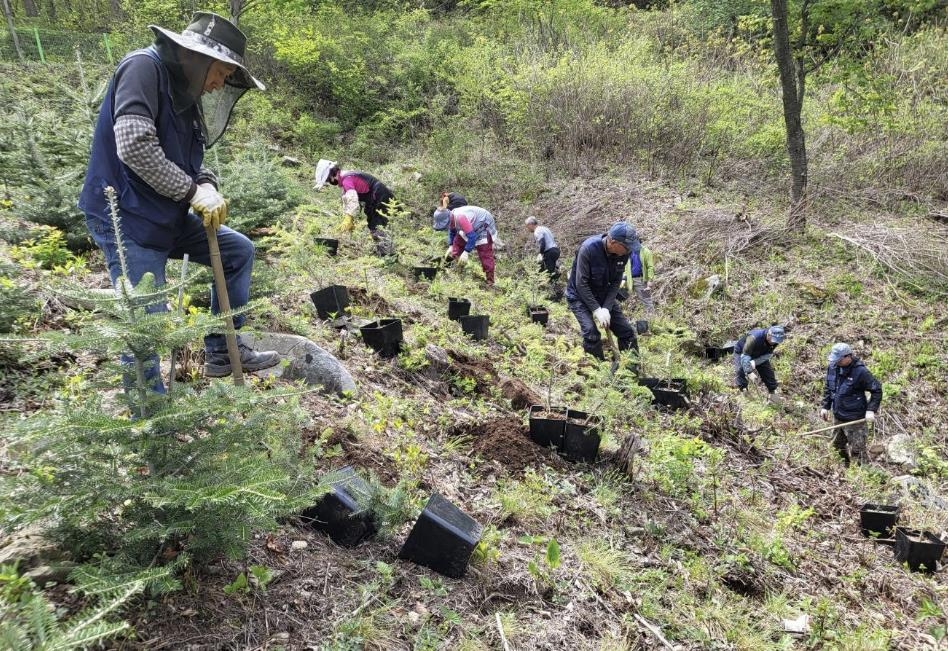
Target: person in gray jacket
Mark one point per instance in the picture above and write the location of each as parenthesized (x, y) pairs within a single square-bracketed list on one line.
[(548, 254)]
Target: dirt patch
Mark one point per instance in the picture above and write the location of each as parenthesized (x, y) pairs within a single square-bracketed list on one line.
[(372, 302), (519, 394), (363, 456), (506, 441)]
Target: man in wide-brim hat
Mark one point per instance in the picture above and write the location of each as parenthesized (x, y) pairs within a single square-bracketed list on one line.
[(165, 104)]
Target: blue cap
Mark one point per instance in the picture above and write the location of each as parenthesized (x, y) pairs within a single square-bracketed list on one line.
[(441, 218), (839, 351), (777, 334), (624, 233)]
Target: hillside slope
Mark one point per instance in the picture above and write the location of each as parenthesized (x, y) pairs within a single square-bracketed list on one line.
[(724, 525)]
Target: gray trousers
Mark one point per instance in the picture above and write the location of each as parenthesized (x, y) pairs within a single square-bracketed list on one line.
[(850, 442), (645, 294)]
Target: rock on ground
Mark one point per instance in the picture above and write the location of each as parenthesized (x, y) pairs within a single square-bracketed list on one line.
[(307, 361)]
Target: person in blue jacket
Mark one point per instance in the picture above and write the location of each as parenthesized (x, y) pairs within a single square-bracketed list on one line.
[(594, 283), (752, 355), (844, 396), (165, 104)]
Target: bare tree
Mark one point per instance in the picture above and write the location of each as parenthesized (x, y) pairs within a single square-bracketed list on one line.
[(30, 9), (239, 7), (8, 12), (793, 85), (51, 11)]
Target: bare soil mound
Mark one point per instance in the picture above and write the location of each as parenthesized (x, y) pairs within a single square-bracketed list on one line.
[(505, 441)]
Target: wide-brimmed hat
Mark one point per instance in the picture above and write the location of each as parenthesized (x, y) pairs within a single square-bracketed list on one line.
[(218, 38)]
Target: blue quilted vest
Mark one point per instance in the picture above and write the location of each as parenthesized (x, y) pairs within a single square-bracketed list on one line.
[(604, 269), (150, 219)]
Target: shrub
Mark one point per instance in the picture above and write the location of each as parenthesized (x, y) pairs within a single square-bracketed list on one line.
[(258, 190)]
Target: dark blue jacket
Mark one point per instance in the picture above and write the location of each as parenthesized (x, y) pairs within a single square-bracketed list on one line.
[(845, 391), (754, 346), (595, 276), (150, 219)]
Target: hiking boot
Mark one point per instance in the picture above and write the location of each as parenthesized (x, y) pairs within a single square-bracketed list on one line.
[(217, 363)]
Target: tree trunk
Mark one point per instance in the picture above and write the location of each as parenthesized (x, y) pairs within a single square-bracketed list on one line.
[(117, 12), (29, 8), (8, 12), (792, 80), (51, 11)]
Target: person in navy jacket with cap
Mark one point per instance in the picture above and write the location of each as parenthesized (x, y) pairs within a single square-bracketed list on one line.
[(594, 284), (844, 396)]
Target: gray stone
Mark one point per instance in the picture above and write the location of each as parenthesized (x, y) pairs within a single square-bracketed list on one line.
[(55, 573), (920, 492), (306, 361), (27, 548), (899, 449)]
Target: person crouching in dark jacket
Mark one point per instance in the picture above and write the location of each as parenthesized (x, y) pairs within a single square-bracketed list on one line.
[(844, 395)]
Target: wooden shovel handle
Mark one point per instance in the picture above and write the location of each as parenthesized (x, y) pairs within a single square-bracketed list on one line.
[(223, 300)]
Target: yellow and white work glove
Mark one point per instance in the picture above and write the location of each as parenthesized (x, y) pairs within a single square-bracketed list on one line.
[(870, 417), (824, 414), (602, 317), (210, 205), (462, 259), (346, 225), (539, 257)]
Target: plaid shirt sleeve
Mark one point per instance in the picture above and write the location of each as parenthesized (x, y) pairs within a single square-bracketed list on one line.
[(136, 142)]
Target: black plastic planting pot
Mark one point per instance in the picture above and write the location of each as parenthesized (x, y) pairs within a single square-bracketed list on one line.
[(458, 307), (539, 314), (332, 245), (641, 327), (428, 273), (443, 538), (547, 426), (330, 300), (338, 513), (383, 336), (920, 549), (476, 326), (878, 520), (719, 352), (581, 439), (667, 393)]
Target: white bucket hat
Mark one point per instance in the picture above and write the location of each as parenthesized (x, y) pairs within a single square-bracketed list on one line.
[(322, 172)]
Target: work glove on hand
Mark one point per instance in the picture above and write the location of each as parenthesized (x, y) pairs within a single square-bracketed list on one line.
[(602, 317), (753, 366), (462, 259), (870, 417), (824, 414), (210, 205), (539, 257), (346, 225)]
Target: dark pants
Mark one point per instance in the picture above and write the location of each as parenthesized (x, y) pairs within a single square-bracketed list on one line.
[(764, 369), (377, 210), (550, 256), (592, 339)]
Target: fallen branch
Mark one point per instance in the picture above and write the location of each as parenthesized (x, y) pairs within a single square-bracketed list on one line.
[(500, 629), (654, 630)]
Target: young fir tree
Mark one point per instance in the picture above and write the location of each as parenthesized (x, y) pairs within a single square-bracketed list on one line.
[(186, 479)]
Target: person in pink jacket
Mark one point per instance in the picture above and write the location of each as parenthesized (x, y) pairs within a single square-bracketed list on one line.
[(469, 228)]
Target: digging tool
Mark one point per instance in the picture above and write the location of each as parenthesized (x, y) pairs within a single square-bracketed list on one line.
[(180, 306), (826, 429), (220, 284), (615, 352)]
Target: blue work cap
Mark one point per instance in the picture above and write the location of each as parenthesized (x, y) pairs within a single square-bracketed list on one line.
[(777, 334), (624, 233), (441, 218), (839, 351)]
